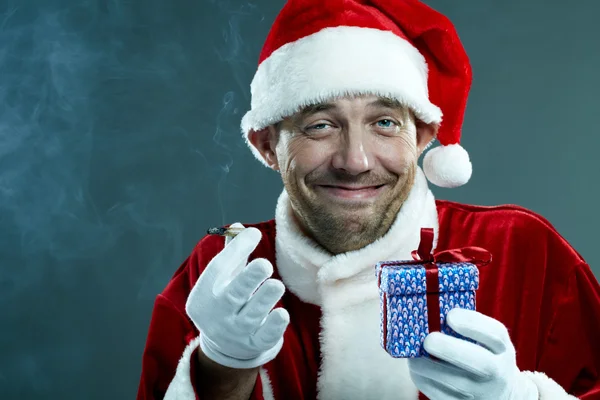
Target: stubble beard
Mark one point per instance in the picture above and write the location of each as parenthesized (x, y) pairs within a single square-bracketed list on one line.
[(340, 229)]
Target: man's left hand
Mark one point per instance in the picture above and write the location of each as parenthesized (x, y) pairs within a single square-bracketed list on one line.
[(465, 370)]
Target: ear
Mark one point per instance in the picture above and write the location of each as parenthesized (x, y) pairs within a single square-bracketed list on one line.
[(265, 142), (425, 134)]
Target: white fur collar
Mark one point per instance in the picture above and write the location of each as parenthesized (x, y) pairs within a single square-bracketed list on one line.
[(354, 365)]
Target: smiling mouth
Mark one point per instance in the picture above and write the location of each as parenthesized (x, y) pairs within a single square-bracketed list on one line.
[(351, 193)]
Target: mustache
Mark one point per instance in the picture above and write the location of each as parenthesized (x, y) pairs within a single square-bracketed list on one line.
[(335, 178)]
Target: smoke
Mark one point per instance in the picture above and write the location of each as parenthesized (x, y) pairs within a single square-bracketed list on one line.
[(90, 93), (222, 144), (233, 51), (46, 132), (72, 139), (111, 131)]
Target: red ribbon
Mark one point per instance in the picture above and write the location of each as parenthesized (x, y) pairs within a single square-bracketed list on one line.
[(473, 255)]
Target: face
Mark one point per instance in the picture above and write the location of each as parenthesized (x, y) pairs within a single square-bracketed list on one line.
[(347, 165)]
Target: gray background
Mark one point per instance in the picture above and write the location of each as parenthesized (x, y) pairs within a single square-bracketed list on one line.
[(119, 146)]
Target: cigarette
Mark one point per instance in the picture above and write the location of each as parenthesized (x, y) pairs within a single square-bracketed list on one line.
[(224, 231)]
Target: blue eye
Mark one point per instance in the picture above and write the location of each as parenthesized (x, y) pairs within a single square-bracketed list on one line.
[(318, 126), (385, 123)]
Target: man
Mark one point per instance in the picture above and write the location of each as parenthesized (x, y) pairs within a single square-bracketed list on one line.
[(347, 96)]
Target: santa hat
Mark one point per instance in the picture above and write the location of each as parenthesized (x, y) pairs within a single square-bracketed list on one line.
[(402, 49)]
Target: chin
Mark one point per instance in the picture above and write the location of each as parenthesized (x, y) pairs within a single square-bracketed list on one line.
[(355, 219)]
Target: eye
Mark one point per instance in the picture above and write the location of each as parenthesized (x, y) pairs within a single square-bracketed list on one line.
[(386, 123), (318, 127)]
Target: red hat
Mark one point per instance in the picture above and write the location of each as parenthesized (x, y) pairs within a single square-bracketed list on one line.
[(402, 49)]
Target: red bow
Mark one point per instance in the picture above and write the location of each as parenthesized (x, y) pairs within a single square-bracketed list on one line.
[(473, 255)]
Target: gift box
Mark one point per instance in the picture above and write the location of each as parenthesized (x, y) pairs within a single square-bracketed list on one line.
[(416, 295)]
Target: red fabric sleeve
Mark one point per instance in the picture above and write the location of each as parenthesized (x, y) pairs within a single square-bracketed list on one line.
[(291, 375), (171, 330), (168, 336), (571, 352)]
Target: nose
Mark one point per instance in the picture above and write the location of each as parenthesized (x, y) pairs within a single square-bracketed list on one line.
[(353, 153)]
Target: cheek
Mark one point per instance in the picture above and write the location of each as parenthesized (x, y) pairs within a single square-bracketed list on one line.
[(301, 156), (408, 141), (400, 153)]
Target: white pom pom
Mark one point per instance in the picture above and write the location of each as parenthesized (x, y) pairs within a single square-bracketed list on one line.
[(448, 166)]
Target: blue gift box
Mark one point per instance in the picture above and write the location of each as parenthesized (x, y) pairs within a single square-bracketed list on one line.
[(404, 301)]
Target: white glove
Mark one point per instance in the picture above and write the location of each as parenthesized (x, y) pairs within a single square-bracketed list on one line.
[(487, 370), (231, 306)]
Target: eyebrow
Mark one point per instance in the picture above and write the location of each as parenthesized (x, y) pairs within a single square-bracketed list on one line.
[(315, 108)]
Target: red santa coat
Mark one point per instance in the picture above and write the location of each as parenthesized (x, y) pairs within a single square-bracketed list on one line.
[(537, 285)]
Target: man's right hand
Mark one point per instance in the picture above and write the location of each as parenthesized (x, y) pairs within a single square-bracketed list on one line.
[(232, 304)]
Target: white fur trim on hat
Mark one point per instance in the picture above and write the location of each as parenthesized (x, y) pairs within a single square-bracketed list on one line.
[(334, 62), (447, 166)]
